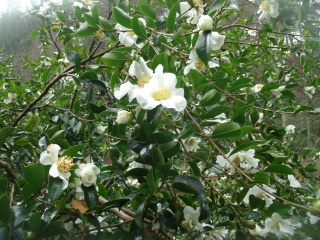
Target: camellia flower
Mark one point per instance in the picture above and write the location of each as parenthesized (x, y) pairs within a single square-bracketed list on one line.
[(313, 219), (192, 13), (290, 129), (256, 231), (12, 98), (217, 40), (256, 88), (124, 117), (127, 37), (205, 23), (310, 91), (278, 226), (259, 193), (191, 217), (244, 160), (277, 92), (252, 32), (195, 62), (191, 144), (87, 173), (161, 90), (294, 182), (60, 166), (268, 8)]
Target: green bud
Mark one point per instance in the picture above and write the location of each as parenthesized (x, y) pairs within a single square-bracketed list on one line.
[(250, 224), (316, 207)]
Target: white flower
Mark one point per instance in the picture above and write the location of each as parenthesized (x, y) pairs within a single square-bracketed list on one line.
[(290, 129), (126, 35), (124, 89), (12, 98), (287, 77), (205, 23), (84, 3), (87, 173), (268, 8), (135, 164), (256, 88), (100, 129), (277, 92), (294, 182), (195, 62), (191, 219), (191, 144), (77, 185), (256, 231), (214, 234), (245, 160), (161, 90), (221, 118), (313, 219), (280, 227), (259, 193), (252, 32), (124, 117), (192, 13), (310, 91), (217, 40), (60, 166)]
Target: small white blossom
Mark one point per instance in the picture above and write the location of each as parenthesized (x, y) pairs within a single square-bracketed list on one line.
[(205, 23), (256, 231), (313, 219), (294, 182), (127, 37), (217, 40), (252, 32), (78, 190), (194, 13), (259, 193), (256, 88), (277, 92), (191, 217), (135, 164), (278, 226), (195, 62), (268, 8), (161, 90), (310, 91), (290, 129), (12, 98), (87, 173), (124, 117), (191, 144)]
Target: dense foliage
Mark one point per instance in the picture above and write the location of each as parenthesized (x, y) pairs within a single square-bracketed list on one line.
[(162, 119)]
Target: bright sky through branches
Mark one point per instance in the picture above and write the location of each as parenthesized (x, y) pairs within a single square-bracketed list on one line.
[(23, 5)]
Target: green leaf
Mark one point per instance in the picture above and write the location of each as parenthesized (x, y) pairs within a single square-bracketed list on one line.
[(121, 17), (75, 58), (86, 31), (170, 149), (261, 178), (226, 130), (52, 229), (105, 24), (278, 207), (74, 150), (166, 61), (54, 188), (165, 168), (203, 47), (139, 214), (115, 59), (58, 135), (186, 131), (5, 232), (216, 5), (148, 11), (151, 181), (233, 5), (90, 195), (3, 186), (210, 98), (91, 20), (157, 156), (35, 222), (171, 20), (278, 168), (216, 111), (189, 184), (138, 28), (5, 133), (61, 16), (34, 175), (242, 195), (269, 86), (5, 216), (246, 146)]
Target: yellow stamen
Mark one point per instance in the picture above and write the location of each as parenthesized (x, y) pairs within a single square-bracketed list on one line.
[(199, 64), (143, 80), (261, 195), (265, 6), (192, 142), (65, 164), (99, 35), (161, 94), (197, 3)]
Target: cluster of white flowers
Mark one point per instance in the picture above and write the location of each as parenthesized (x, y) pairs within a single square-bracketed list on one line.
[(61, 168), (153, 89), (194, 12), (244, 160)]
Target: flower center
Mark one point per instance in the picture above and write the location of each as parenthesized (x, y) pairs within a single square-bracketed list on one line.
[(131, 33), (261, 195), (143, 80), (197, 3), (99, 35), (87, 1), (236, 161), (199, 64), (161, 94), (65, 164), (265, 6), (192, 142)]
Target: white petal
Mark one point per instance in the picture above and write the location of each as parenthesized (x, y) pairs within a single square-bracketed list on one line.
[(125, 88), (50, 155), (54, 172)]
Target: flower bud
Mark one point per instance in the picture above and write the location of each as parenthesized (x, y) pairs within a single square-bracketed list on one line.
[(205, 23), (124, 117), (316, 207)]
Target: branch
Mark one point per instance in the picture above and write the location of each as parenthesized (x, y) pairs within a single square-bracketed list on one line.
[(8, 169)]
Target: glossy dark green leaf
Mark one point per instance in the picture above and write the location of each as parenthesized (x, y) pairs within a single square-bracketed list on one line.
[(216, 5), (269, 86), (139, 214), (5, 216), (91, 20), (90, 195), (165, 168), (157, 156), (35, 176), (215, 111), (138, 28), (86, 31), (151, 180), (75, 58), (5, 133), (35, 222), (242, 195), (188, 184), (3, 186), (148, 11), (278, 207), (261, 178), (278, 168), (54, 188), (170, 149), (105, 24), (203, 47), (226, 130), (115, 59), (256, 202), (52, 229), (171, 20), (23, 213), (186, 131), (61, 16), (121, 17), (210, 98)]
